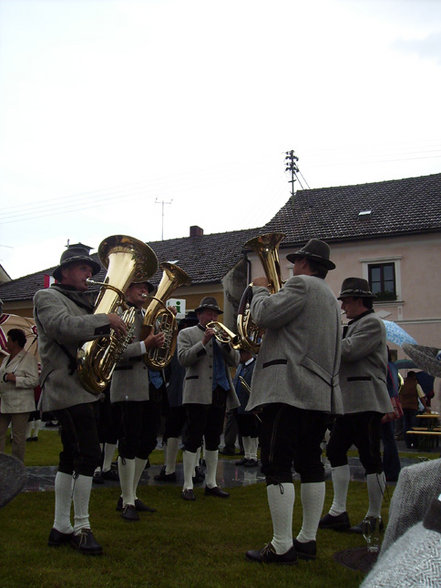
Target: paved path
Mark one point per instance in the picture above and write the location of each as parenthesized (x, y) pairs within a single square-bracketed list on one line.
[(228, 475)]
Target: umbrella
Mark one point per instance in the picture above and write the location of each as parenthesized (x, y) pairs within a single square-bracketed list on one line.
[(14, 321), (396, 334), (425, 358)]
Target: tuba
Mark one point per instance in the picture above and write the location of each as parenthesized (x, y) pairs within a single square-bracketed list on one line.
[(159, 318), (267, 248), (126, 259)]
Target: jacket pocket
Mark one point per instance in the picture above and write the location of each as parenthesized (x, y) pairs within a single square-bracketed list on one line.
[(275, 362), (318, 370), (192, 378)]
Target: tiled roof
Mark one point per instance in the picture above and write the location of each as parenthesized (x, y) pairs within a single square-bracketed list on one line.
[(398, 207), (205, 258)]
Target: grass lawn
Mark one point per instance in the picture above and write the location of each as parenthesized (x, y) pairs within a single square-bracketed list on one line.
[(183, 544)]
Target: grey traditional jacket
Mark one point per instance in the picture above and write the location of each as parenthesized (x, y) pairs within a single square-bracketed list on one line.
[(62, 322), (363, 369), (19, 396), (198, 361), (300, 354), (130, 380)]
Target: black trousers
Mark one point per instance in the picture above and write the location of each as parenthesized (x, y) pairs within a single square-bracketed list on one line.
[(247, 424), (174, 422), (290, 435), (138, 429), (362, 429), (81, 451), (205, 421)]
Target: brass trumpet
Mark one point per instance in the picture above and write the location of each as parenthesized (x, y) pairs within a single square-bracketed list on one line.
[(224, 335)]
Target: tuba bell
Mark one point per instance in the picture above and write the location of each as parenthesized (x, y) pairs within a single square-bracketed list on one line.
[(267, 248), (159, 318), (126, 259)]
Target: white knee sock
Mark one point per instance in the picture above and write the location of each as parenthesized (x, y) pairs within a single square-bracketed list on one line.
[(81, 495), (139, 468), (376, 484), (109, 452), (189, 463), (254, 444), (126, 471), (63, 502), (340, 482), (37, 424), (246, 447), (281, 505), (211, 459), (171, 454), (29, 429), (313, 497)]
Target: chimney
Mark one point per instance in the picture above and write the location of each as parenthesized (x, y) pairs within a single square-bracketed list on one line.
[(196, 231)]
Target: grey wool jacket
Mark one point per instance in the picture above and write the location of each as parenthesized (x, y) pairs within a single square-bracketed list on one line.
[(62, 322), (130, 379), (363, 368), (299, 357), (198, 361)]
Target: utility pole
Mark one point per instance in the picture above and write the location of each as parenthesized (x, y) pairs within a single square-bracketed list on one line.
[(291, 166), (162, 203)]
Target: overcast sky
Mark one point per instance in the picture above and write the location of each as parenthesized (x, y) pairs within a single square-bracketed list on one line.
[(109, 109)]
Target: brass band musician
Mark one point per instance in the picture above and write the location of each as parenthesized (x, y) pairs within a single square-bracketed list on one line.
[(64, 320)]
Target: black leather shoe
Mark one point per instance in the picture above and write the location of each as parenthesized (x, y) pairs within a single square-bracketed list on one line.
[(227, 451), (57, 538), (338, 523), (141, 507), (358, 529), (269, 555), (242, 461), (188, 494), (163, 477), (251, 463), (216, 491), (199, 475), (111, 475), (85, 542), (306, 550), (98, 478), (129, 513)]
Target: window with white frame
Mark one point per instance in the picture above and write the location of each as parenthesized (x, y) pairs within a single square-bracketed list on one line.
[(383, 276)]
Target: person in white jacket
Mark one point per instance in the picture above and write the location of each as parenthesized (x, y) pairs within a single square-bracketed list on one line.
[(18, 378)]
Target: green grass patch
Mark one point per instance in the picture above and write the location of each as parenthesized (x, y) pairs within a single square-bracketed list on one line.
[(182, 544)]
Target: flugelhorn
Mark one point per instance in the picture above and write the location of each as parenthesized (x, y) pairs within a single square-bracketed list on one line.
[(127, 260), (161, 319), (267, 248), (224, 335)]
